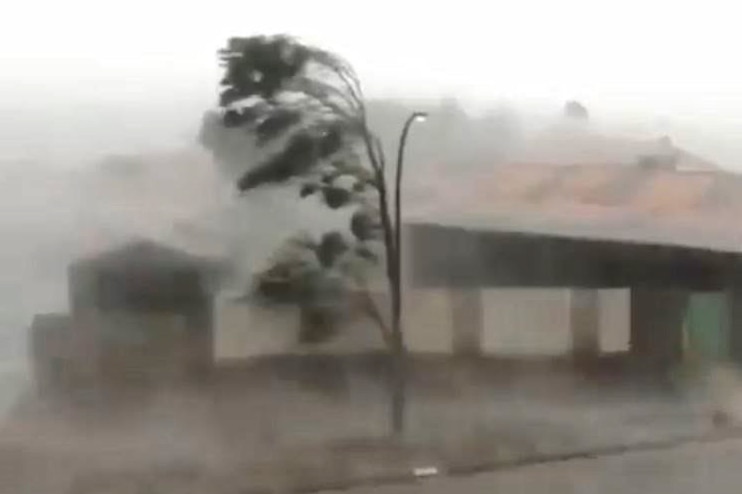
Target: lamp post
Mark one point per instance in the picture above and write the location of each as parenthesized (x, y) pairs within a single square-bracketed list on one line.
[(397, 336)]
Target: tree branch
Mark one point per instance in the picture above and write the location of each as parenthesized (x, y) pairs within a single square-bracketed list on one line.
[(372, 310), (320, 92), (370, 149), (351, 83), (378, 163), (381, 157)]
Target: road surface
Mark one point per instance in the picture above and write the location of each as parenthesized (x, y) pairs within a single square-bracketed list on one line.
[(709, 468)]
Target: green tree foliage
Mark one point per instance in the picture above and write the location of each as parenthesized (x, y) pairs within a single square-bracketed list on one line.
[(323, 277), (303, 110), (455, 140), (276, 88), (290, 113)]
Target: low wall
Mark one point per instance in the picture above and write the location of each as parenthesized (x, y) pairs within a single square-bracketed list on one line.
[(515, 322), (248, 330)]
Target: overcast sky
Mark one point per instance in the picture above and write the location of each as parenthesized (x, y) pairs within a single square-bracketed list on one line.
[(663, 55)]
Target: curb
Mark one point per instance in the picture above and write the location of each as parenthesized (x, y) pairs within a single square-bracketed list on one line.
[(727, 434)]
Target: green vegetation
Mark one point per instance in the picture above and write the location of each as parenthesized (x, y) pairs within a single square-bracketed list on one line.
[(305, 109)]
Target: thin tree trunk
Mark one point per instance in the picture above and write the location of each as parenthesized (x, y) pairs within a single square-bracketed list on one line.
[(398, 377), (397, 374), (373, 312), (399, 370), (399, 388)]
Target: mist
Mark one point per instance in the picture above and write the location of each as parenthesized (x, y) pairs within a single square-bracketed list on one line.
[(61, 191), (80, 176), (102, 115)]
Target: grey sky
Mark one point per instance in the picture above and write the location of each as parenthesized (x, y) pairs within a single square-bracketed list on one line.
[(665, 55), (68, 67)]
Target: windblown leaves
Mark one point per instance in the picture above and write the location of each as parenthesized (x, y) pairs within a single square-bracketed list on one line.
[(307, 104), (260, 66), (365, 225), (295, 159), (336, 197), (330, 139), (285, 281), (308, 189), (324, 96), (305, 150), (273, 85), (317, 275), (330, 248), (318, 324), (364, 252), (276, 123)]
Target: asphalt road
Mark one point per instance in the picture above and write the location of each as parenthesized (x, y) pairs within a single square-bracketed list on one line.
[(693, 468)]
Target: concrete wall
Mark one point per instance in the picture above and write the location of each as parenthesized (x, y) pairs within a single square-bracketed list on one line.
[(244, 330), (149, 345), (537, 321), (64, 352), (528, 321), (134, 344), (428, 319), (614, 317), (50, 347), (515, 322), (656, 327)]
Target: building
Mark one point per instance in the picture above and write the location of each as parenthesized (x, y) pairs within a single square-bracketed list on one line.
[(523, 260), (572, 188), (140, 313), (619, 257)]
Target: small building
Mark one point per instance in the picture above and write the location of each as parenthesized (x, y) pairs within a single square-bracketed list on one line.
[(666, 240), (140, 313), (544, 261), (52, 351)]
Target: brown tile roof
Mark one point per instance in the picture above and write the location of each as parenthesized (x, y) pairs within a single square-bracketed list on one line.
[(630, 203), (582, 145)]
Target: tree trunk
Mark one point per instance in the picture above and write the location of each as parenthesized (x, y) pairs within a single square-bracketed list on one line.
[(399, 394), (399, 357), (392, 245), (398, 369)]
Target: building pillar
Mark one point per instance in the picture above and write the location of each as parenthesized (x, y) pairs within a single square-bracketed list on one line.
[(200, 340), (584, 317), (656, 338), (467, 321), (734, 311)]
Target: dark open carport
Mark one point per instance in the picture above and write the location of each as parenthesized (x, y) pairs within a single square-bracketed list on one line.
[(661, 266)]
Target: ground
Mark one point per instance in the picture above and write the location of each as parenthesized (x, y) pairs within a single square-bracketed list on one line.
[(711, 468), (314, 424)]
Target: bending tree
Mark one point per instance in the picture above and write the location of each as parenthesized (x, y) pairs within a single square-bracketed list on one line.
[(305, 107), (325, 278)]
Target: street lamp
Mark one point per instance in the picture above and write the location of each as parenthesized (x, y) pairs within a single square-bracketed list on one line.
[(398, 349), (414, 117)]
